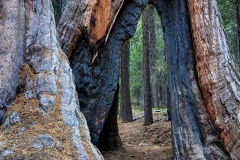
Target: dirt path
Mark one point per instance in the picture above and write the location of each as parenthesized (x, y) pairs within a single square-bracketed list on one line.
[(144, 142)]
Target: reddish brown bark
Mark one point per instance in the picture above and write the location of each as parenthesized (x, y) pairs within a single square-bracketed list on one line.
[(99, 22), (217, 75), (91, 18)]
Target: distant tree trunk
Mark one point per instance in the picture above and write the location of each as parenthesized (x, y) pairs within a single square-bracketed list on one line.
[(160, 94), (166, 96), (163, 89), (109, 138), (57, 6), (125, 86), (139, 98), (217, 76), (120, 91), (238, 31), (153, 55), (44, 120), (120, 110), (148, 118), (169, 112)]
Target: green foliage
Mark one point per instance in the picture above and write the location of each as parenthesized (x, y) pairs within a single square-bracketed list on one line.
[(228, 13), (161, 64), (136, 58)]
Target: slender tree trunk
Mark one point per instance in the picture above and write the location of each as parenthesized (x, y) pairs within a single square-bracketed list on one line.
[(160, 94), (120, 107), (166, 96), (153, 56), (217, 75), (120, 91), (125, 90), (44, 120), (120, 110), (169, 112), (139, 99), (148, 118)]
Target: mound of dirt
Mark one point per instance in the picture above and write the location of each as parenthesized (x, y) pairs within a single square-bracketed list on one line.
[(144, 142)]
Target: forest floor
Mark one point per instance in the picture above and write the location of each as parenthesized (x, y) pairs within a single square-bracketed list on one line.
[(143, 142)]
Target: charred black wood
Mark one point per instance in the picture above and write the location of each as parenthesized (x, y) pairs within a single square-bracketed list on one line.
[(97, 83)]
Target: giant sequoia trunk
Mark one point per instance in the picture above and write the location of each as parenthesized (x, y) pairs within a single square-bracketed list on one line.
[(44, 120), (193, 136), (217, 76), (97, 82), (11, 51)]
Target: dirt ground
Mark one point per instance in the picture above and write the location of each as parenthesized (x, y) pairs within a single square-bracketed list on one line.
[(144, 142)]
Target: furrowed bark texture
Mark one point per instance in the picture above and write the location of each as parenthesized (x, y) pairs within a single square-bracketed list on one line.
[(193, 136), (109, 138), (97, 83), (125, 86), (44, 121), (218, 78), (152, 56), (11, 51), (93, 19), (148, 117)]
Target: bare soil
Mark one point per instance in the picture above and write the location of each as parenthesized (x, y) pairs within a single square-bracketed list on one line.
[(144, 142)]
